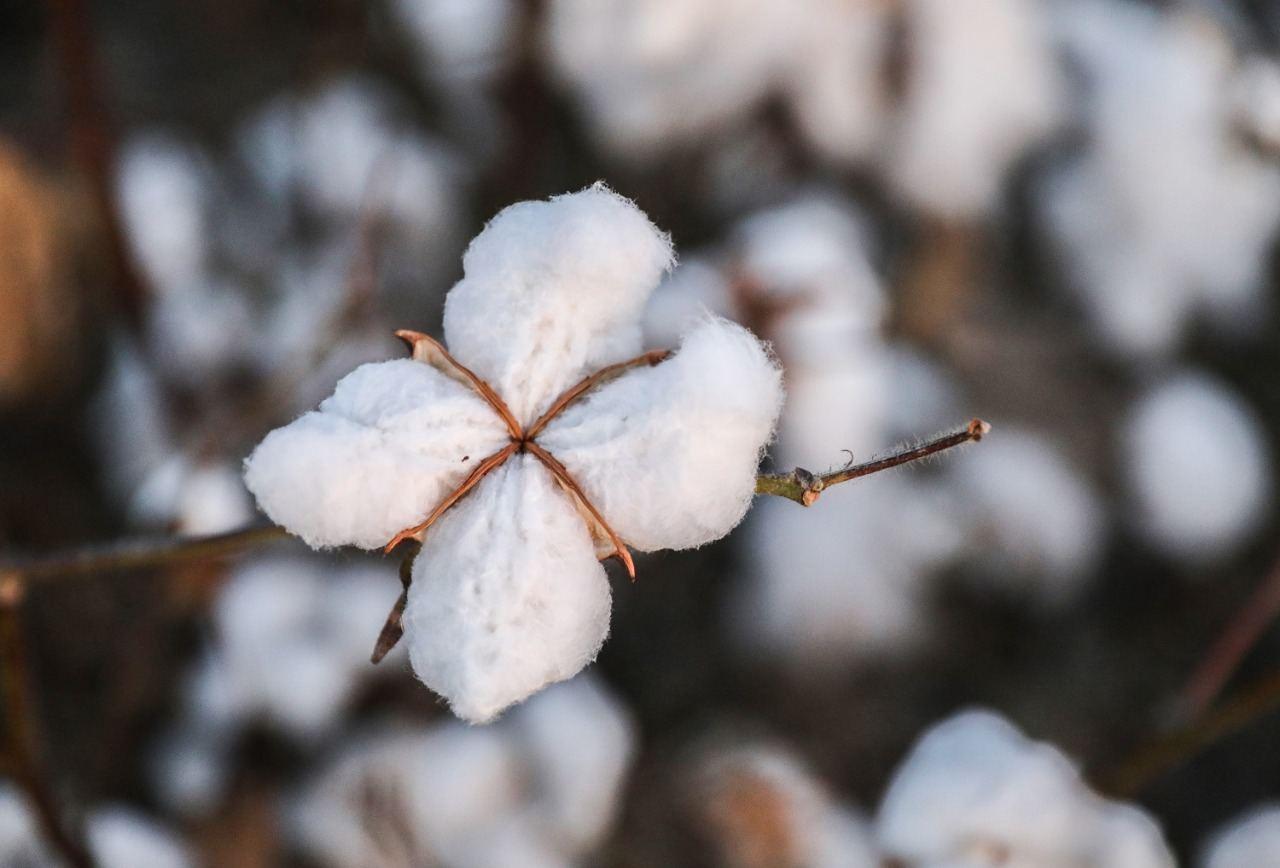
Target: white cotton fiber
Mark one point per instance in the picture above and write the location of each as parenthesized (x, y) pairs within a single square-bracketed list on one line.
[(1165, 214), (507, 594), (1196, 462), (981, 88), (120, 837), (377, 457), (580, 742), (460, 40), (669, 453), (1249, 841), (553, 291), (1035, 522), (976, 792)]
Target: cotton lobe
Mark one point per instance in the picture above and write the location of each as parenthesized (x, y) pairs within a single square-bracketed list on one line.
[(518, 493)]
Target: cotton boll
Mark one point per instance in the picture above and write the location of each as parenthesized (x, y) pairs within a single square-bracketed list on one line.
[(981, 88), (762, 807), (393, 440), (460, 40), (201, 329), (656, 74), (196, 499), (122, 838), (426, 796), (579, 742), (976, 792), (837, 91), (1165, 214), (20, 839), (1196, 463), (515, 840), (507, 594), (1037, 524), (162, 186), (1248, 841), (553, 291)]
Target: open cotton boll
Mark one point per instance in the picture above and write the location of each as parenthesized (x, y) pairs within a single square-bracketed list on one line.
[(632, 446), (836, 88), (761, 807), (507, 594), (976, 792), (1037, 524), (1165, 213), (579, 742), (419, 797), (162, 187), (120, 837), (981, 88), (1246, 842), (656, 74), (552, 291), (460, 40), (204, 498), (1196, 462)]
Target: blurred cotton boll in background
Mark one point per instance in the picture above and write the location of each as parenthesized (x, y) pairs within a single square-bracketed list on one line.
[(760, 807), (1197, 466), (1249, 840), (539, 788), (976, 792), (1166, 212)]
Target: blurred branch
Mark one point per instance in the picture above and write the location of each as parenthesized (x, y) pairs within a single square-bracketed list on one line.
[(140, 553), (1170, 751), (1242, 632), (93, 145), (20, 728), (805, 487)]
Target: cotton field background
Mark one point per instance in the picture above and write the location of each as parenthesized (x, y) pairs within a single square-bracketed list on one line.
[(1055, 648)]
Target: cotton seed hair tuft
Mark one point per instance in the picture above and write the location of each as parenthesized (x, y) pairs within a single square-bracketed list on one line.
[(539, 442)]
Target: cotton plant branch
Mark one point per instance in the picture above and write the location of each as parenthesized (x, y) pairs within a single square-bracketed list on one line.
[(805, 487), (1247, 625), (1172, 750), (21, 742), (798, 485)]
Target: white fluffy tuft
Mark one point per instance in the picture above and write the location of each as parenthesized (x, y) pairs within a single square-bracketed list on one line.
[(507, 594), (669, 454), (553, 290)]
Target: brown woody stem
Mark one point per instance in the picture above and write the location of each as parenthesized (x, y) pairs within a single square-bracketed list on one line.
[(805, 487)]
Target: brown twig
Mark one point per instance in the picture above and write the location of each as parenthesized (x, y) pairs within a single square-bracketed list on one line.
[(22, 744), (139, 553), (805, 487), (483, 469), (393, 629), (604, 375), (1169, 751), (1242, 632)]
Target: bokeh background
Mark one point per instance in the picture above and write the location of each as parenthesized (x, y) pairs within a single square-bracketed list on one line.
[(1058, 216)]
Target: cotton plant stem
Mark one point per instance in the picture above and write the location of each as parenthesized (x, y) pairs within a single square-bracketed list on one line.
[(805, 487), (139, 554), (1172, 750), (1241, 634), (22, 745)]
